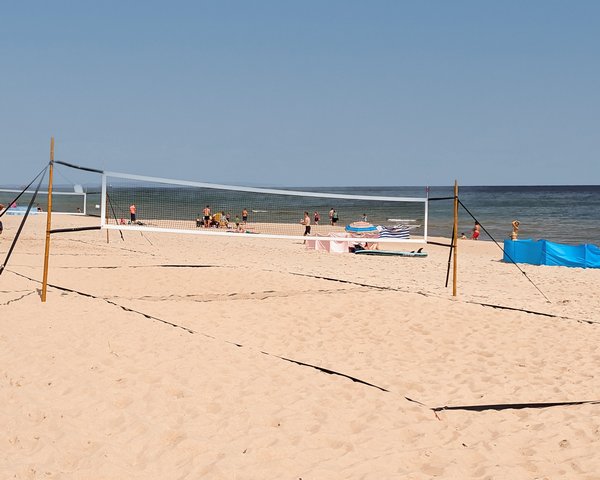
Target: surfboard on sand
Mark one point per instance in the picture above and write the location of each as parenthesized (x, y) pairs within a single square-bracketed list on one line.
[(391, 253)]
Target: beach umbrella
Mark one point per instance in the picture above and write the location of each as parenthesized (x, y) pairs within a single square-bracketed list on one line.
[(362, 230)]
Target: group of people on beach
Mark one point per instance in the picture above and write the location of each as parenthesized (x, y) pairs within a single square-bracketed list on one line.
[(333, 219), (220, 219)]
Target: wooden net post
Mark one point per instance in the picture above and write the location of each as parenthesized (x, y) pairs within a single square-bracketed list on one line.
[(48, 222)]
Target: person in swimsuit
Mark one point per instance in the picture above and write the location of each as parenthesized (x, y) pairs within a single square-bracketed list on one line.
[(334, 218), (244, 216), (206, 213), (317, 217), (306, 223), (475, 235), (132, 212), (331, 216)]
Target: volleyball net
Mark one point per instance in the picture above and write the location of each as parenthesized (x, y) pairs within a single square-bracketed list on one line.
[(136, 202), (63, 202)]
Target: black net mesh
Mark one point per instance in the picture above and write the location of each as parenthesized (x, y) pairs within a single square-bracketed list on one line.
[(62, 202), (207, 210)]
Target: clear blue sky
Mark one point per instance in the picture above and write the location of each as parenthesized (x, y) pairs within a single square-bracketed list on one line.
[(306, 92)]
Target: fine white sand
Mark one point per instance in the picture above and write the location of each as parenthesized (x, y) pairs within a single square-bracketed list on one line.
[(171, 361)]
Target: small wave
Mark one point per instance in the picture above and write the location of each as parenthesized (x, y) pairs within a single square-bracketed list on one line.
[(401, 220), (259, 211)]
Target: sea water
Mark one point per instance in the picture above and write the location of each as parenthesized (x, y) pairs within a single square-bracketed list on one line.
[(563, 214)]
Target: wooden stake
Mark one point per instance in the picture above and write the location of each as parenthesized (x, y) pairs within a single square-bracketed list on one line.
[(48, 222), (455, 239)]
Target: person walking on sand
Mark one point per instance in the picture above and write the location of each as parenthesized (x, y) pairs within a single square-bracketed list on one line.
[(331, 215), (317, 217), (306, 223), (132, 212), (206, 214), (244, 216), (334, 218), (476, 232)]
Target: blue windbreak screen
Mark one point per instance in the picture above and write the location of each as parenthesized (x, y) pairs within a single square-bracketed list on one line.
[(543, 252)]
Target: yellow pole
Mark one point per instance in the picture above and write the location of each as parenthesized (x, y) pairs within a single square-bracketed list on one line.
[(48, 222), (455, 239)]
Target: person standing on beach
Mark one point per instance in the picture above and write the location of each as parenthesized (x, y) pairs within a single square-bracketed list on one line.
[(206, 213), (334, 218), (317, 217), (132, 212), (306, 223), (476, 232), (244, 216), (331, 215)]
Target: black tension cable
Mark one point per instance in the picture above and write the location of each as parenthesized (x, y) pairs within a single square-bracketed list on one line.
[(71, 165), (14, 242), (24, 190), (75, 229), (114, 214), (503, 251), (449, 245), (449, 259), (433, 199), (513, 406)]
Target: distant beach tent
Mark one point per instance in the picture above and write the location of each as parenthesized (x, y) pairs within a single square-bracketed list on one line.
[(543, 252)]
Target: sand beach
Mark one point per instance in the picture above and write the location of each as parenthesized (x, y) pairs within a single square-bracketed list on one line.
[(170, 356)]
